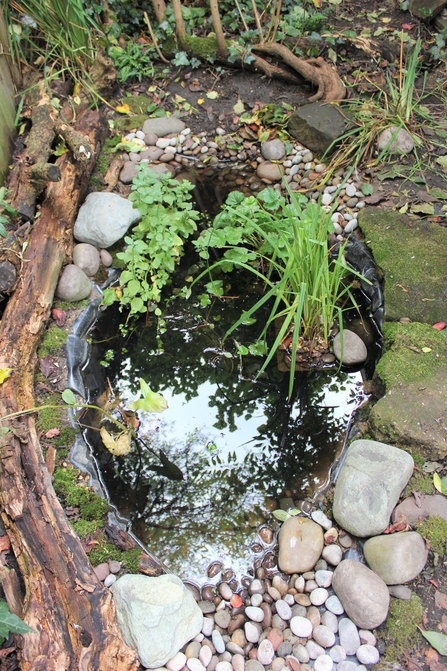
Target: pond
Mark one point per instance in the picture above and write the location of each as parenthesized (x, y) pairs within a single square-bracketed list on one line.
[(241, 446)]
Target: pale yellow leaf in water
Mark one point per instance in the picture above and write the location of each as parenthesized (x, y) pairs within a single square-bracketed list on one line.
[(4, 374), (119, 446)]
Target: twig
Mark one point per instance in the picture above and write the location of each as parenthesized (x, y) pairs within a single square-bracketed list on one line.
[(241, 15), (154, 39), (278, 14), (258, 23)]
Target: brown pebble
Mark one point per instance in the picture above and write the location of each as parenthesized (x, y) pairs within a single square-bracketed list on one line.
[(313, 175), (207, 642), (236, 622), (269, 561), (274, 593), (267, 621), (214, 662), (102, 571), (214, 569), (267, 598), (313, 614), (208, 593), (207, 607), (293, 663), (217, 600), (114, 566), (225, 590), (260, 571), (253, 654), (222, 618), (281, 585), (302, 599), (238, 637), (331, 535), (266, 535)]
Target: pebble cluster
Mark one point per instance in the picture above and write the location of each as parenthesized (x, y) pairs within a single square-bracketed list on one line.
[(249, 169), (291, 624)]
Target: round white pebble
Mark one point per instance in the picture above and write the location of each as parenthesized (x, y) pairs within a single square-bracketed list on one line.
[(324, 578), (351, 226), (254, 613), (318, 596), (256, 600), (367, 654), (334, 605), (177, 662), (350, 190), (283, 609), (326, 199), (194, 664), (301, 626), (323, 663)]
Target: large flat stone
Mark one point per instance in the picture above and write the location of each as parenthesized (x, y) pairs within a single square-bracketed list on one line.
[(426, 9), (317, 126), (413, 408), (368, 486), (413, 256)]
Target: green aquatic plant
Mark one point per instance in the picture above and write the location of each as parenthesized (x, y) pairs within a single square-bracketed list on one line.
[(285, 244)]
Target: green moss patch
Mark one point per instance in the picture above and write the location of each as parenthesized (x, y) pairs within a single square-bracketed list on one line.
[(401, 627), (52, 341), (434, 530), (72, 492), (56, 418), (413, 256), (106, 551)]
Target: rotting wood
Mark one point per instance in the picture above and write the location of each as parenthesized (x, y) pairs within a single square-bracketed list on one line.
[(75, 626)]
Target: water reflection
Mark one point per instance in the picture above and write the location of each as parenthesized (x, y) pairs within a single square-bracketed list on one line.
[(237, 440)]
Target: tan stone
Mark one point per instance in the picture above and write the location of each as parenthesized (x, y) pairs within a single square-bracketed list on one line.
[(301, 542)]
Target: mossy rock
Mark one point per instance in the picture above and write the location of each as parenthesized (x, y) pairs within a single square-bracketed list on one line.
[(413, 256), (413, 409)]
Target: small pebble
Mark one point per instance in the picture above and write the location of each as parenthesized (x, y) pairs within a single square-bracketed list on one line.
[(367, 654), (255, 614), (283, 609), (333, 604), (177, 662), (218, 641), (108, 582), (332, 554), (194, 664), (208, 626), (319, 596), (314, 649), (337, 653), (205, 655)]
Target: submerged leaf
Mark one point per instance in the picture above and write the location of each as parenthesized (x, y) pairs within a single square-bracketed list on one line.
[(68, 397), (117, 446)]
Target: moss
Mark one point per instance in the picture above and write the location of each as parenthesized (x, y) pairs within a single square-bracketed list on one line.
[(66, 485), (434, 530), (84, 527), (419, 482), (52, 418), (67, 305), (202, 47), (106, 551), (53, 339), (402, 364), (96, 182), (128, 123), (401, 627)]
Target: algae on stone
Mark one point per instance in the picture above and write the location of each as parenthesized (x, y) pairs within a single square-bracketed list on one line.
[(413, 256)]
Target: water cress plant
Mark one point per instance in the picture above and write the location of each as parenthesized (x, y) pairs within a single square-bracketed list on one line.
[(155, 245)]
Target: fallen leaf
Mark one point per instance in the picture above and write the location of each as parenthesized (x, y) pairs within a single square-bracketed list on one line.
[(440, 194), (439, 326), (238, 108), (200, 101), (212, 95), (426, 350), (123, 109), (426, 197), (52, 433), (46, 366), (151, 401), (118, 446), (195, 86), (407, 26), (401, 287), (4, 374), (422, 209), (59, 316), (375, 198)]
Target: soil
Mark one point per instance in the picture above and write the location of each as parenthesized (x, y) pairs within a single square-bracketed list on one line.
[(356, 58)]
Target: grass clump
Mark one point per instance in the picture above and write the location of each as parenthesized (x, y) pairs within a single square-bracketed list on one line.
[(401, 627), (52, 341), (434, 530)]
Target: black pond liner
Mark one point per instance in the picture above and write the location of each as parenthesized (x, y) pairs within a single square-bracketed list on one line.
[(138, 484)]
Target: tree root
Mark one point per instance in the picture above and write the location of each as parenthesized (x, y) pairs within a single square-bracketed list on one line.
[(316, 70)]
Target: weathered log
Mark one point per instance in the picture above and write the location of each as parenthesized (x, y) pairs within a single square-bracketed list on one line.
[(8, 276), (71, 611)]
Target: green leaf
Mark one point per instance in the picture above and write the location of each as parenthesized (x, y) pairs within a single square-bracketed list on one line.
[(437, 641), (438, 193), (422, 208), (238, 108), (242, 350), (440, 484), (442, 160), (68, 397), (151, 401), (11, 623), (281, 515), (367, 189)]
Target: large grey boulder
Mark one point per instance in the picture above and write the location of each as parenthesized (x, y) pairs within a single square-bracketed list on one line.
[(163, 126), (368, 486), (300, 542), (317, 126), (396, 558), (362, 593), (104, 218), (73, 285), (156, 615), (426, 9)]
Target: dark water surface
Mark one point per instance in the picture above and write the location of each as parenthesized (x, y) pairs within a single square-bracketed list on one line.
[(241, 446)]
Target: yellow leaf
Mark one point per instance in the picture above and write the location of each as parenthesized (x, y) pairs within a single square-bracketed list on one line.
[(404, 208), (76, 89), (437, 482), (152, 89), (123, 109), (179, 99), (385, 20), (426, 350), (118, 446), (200, 101), (4, 374)]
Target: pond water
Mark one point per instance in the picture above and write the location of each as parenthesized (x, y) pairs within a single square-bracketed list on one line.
[(240, 444)]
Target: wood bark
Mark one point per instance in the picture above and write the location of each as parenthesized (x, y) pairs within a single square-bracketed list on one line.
[(222, 48), (71, 611), (180, 30), (159, 8)]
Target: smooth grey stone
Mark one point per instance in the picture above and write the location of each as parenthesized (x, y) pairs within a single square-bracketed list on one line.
[(157, 616), (273, 150), (368, 486), (104, 218), (73, 285), (163, 126), (397, 558), (395, 140), (400, 592), (363, 594), (349, 636), (353, 350), (128, 173), (87, 258)]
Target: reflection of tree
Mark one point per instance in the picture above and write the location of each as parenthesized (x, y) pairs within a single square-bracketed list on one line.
[(293, 444)]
